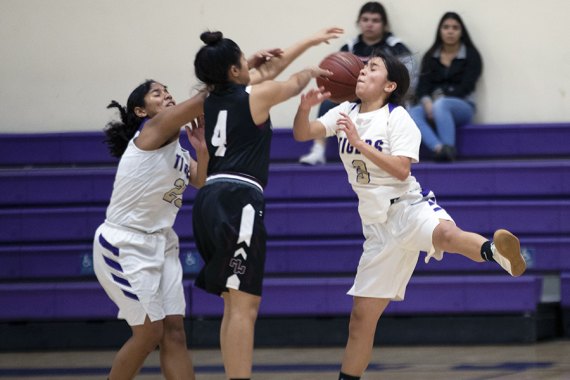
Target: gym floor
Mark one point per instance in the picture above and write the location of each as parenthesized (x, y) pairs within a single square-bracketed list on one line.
[(539, 361)]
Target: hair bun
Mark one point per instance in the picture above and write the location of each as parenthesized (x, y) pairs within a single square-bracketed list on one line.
[(211, 38)]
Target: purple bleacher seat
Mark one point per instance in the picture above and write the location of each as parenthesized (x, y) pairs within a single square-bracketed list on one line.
[(296, 219), (295, 182), (514, 140), (57, 301), (424, 295), (308, 257), (65, 148), (473, 141), (48, 301)]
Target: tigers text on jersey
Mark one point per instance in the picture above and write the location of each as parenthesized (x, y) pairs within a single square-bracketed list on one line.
[(390, 130), (235, 143), (147, 192)]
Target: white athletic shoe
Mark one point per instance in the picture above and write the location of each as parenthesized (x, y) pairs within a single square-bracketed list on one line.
[(507, 252), (315, 156)]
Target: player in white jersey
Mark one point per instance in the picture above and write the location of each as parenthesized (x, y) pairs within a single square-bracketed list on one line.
[(135, 251), (378, 142)]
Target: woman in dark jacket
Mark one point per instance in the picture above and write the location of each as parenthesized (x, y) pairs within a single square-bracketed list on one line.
[(449, 71)]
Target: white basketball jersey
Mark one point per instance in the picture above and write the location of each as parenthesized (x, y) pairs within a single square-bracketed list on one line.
[(148, 188), (392, 131)]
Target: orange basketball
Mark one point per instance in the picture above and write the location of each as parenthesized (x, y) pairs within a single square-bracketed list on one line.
[(341, 84)]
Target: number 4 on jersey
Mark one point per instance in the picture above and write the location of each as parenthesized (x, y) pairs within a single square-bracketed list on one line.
[(219, 136)]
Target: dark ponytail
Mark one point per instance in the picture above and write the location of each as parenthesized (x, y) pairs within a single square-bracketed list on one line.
[(215, 58), (119, 133)]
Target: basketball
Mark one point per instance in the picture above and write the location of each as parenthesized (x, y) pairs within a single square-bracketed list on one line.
[(341, 84)]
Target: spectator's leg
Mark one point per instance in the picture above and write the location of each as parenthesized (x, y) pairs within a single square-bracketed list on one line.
[(448, 114), (429, 138)]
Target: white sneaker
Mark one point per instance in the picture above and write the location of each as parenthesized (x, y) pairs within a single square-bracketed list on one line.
[(315, 156), (507, 252)]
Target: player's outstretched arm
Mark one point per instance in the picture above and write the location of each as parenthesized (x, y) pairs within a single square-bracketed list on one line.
[(303, 128), (269, 93), (273, 67)]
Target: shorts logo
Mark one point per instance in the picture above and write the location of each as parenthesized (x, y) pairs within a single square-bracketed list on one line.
[(237, 266)]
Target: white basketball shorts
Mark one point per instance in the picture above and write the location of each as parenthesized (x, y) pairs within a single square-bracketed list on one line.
[(391, 249), (140, 272)]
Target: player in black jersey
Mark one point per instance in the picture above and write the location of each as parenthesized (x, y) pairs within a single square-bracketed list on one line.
[(228, 211)]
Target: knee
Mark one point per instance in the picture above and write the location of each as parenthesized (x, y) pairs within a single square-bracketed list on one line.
[(444, 234), (362, 322), (174, 331), (150, 337)]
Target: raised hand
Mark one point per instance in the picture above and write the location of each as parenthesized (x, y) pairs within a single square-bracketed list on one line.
[(196, 135), (313, 97), (325, 35), (348, 127), (263, 56)]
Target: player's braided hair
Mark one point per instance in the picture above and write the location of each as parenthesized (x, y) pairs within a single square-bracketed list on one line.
[(119, 133)]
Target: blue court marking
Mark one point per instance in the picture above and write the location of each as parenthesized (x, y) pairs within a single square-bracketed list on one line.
[(506, 366), (283, 368)]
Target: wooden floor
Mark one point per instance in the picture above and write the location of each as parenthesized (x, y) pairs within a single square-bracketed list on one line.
[(546, 360)]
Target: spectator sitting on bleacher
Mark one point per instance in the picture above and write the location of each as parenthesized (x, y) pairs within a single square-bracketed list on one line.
[(374, 35), (378, 141), (135, 251), (448, 74)]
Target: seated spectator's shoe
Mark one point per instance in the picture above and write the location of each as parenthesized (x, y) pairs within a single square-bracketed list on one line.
[(439, 155), (449, 152), (507, 252), (315, 156), (446, 153)]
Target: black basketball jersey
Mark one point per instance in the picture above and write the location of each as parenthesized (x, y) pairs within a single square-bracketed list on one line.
[(235, 143)]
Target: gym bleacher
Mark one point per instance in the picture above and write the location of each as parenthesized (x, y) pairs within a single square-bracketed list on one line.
[(54, 189)]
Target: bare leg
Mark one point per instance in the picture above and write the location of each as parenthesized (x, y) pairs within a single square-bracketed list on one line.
[(175, 359), (363, 321), (450, 238), (237, 332), (505, 249), (132, 355)]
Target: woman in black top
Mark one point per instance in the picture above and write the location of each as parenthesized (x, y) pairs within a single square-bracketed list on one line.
[(229, 211), (449, 71)]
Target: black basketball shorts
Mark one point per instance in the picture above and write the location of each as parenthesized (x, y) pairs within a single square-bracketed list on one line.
[(230, 235)]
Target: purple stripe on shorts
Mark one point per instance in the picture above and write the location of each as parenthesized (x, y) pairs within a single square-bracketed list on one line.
[(130, 295), (108, 245), (120, 280), (113, 264)]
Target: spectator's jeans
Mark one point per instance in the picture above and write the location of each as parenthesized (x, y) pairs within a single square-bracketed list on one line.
[(447, 114)]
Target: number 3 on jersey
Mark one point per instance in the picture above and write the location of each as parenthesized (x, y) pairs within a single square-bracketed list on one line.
[(219, 136), (362, 174)]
